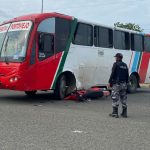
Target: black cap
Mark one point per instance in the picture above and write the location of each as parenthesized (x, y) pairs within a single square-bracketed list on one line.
[(119, 55)]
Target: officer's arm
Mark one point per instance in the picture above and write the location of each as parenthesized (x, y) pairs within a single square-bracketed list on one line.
[(127, 75), (112, 73)]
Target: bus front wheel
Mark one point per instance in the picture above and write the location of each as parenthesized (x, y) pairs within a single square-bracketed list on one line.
[(30, 93), (133, 84), (60, 91)]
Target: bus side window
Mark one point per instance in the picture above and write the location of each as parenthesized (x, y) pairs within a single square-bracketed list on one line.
[(147, 43), (137, 42), (103, 37), (46, 45), (83, 35), (121, 40), (127, 41), (110, 38), (62, 33)]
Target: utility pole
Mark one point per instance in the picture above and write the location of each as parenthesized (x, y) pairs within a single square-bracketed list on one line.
[(42, 7)]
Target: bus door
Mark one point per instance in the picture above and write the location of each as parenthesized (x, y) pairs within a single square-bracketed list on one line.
[(46, 65)]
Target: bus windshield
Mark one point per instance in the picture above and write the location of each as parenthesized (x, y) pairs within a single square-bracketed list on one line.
[(3, 30), (13, 41)]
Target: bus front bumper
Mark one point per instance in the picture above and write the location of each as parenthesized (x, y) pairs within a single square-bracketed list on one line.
[(11, 82)]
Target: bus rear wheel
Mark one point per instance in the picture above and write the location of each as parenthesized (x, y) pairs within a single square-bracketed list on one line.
[(133, 84), (30, 93), (60, 91)]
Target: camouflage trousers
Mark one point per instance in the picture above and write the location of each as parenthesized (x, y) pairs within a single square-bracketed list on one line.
[(119, 94)]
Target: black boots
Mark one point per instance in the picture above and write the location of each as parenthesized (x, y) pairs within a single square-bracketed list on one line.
[(124, 112), (114, 113)]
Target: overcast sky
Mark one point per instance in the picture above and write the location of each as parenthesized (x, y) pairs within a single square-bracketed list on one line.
[(102, 11)]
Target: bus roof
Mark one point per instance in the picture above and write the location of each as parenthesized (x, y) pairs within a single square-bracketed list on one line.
[(38, 17), (110, 27)]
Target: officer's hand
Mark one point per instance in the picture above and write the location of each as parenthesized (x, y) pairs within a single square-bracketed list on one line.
[(109, 86)]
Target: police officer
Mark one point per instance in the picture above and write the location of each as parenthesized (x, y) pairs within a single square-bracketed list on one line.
[(118, 81)]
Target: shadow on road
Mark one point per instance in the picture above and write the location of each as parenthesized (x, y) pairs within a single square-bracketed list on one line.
[(22, 98), (143, 91)]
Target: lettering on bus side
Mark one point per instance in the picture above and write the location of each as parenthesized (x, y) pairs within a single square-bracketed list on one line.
[(100, 52)]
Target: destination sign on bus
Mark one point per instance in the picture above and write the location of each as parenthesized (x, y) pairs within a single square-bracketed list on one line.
[(4, 28), (23, 25)]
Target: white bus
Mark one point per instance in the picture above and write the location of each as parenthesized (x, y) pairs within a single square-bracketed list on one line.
[(91, 53)]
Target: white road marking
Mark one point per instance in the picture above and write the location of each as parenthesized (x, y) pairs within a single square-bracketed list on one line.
[(78, 131)]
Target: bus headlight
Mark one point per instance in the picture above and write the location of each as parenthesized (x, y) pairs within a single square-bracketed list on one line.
[(13, 79)]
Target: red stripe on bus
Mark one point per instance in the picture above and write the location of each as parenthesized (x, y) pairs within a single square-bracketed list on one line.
[(144, 67), (54, 67), (131, 60)]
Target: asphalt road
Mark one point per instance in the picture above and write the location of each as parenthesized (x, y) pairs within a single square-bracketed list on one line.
[(46, 124)]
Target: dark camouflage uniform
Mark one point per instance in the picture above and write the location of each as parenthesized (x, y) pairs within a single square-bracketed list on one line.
[(119, 79), (119, 94)]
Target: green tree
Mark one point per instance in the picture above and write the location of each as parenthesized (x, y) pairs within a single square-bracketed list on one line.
[(130, 26)]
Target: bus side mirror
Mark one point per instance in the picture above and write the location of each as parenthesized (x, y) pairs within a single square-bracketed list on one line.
[(41, 42), (46, 45)]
